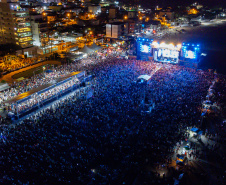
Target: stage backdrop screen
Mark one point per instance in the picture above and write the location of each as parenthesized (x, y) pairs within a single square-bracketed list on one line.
[(189, 54), (145, 48), (168, 53)]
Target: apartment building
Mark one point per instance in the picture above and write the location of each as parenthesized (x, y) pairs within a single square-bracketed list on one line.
[(15, 26), (116, 30)]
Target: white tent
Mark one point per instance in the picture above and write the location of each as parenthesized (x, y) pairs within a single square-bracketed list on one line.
[(95, 47), (145, 77), (86, 50)]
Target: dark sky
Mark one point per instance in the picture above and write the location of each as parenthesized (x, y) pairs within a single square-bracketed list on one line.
[(162, 3)]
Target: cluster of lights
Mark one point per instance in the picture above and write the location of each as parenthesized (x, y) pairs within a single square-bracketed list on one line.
[(167, 46), (144, 39), (191, 46), (188, 44)]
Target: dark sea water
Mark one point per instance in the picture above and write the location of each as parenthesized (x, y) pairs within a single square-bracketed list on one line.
[(213, 42)]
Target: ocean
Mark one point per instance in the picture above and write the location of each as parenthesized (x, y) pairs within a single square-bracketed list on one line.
[(212, 41)]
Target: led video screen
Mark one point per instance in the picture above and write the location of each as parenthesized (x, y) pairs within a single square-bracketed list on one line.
[(168, 53), (189, 54), (144, 48)]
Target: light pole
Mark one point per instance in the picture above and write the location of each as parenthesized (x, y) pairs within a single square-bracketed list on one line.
[(140, 19)]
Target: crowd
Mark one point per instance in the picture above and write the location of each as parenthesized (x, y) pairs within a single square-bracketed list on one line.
[(36, 81), (105, 139), (60, 71), (37, 99), (17, 64)]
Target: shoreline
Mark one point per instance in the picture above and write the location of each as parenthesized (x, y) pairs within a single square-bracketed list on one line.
[(210, 36), (202, 34)]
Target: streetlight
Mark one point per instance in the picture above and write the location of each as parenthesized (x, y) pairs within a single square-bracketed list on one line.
[(125, 17)]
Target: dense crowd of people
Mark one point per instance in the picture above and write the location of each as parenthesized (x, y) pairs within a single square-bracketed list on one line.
[(33, 82), (16, 64), (40, 98), (58, 72), (105, 139)]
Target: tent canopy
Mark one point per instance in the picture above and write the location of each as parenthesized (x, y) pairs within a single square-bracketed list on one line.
[(145, 77), (95, 47), (86, 50)]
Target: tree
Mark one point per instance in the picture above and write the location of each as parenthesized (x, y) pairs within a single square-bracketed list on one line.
[(9, 48), (95, 1)]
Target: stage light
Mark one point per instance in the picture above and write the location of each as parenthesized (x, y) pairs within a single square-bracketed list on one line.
[(162, 44), (179, 45), (171, 46), (155, 44)]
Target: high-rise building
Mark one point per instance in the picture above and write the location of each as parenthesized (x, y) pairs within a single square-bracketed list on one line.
[(39, 30), (15, 26), (116, 30)]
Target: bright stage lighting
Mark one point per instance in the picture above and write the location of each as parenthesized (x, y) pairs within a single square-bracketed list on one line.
[(145, 49), (163, 44), (179, 46), (171, 46), (155, 44), (190, 54)]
